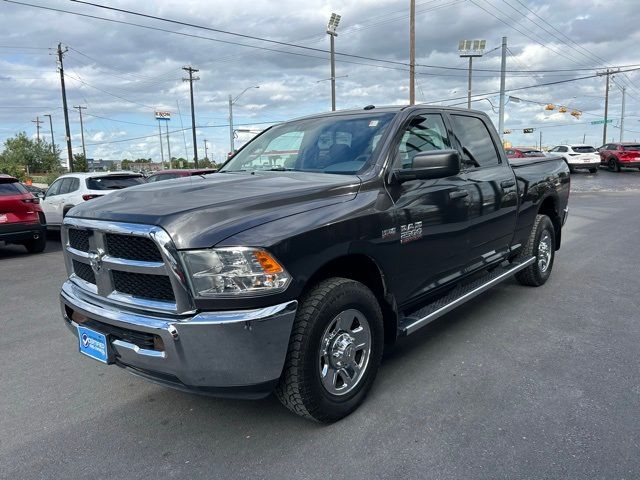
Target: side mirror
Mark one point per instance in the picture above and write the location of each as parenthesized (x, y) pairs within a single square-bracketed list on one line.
[(431, 165)]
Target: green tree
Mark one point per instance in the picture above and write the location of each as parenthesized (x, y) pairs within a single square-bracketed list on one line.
[(205, 163), (126, 164), (22, 156), (79, 163)]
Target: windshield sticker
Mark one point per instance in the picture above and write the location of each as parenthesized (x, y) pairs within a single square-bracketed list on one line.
[(373, 123), (410, 232)]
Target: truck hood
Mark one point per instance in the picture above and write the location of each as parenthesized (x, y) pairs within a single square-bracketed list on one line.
[(199, 212)]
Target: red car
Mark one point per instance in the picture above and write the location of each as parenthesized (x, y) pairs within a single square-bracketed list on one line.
[(618, 155), (170, 174), (523, 152), (21, 218)]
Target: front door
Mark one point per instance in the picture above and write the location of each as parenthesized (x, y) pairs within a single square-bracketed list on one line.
[(431, 215)]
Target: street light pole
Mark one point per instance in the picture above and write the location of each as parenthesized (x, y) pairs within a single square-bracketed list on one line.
[(231, 102), (80, 108), (471, 48), (334, 20), (53, 143), (503, 71)]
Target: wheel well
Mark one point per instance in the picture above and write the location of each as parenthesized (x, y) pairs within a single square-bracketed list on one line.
[(549, 207), (365, 270)]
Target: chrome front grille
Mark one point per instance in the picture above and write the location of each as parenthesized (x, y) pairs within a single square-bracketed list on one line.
[(128, 264)]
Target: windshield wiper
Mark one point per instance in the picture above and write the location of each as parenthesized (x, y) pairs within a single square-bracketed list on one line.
[(278, 169)]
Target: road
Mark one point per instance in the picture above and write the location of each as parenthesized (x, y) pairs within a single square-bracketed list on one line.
[(521, 383)]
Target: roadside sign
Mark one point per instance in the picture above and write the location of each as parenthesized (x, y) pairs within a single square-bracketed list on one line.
[(601, 122), (507, 132), (162, 115), (527, 130)]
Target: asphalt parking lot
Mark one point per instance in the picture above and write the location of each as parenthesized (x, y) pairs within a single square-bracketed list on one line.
[(520, 383)]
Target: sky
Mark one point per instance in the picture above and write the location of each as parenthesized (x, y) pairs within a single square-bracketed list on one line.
[(123, 67)]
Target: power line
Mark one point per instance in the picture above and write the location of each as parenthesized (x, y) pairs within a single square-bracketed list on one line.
[(405, 64)]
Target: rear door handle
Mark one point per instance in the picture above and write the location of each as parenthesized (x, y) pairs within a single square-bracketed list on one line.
[(458, 194), (507, 183)]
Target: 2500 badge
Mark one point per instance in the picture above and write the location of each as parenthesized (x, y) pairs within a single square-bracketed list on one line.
[(410, 232)]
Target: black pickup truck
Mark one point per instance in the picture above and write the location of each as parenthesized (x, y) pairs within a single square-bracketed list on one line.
[(319, 243)]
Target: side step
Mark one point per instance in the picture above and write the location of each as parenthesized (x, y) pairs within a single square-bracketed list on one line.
[(459, 295)]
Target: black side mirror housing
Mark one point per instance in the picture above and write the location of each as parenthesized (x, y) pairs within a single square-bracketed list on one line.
[(431, 165)]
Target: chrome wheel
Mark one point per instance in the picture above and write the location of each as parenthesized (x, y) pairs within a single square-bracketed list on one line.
[(344, 353), (544, 251)]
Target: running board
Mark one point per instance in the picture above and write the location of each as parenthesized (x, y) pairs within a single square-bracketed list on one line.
[(458, 296)]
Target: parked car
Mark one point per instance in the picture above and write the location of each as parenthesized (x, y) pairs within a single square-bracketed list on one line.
[(72, 189), (618, 155), (578, 157), (21, 218), (291, 272), (169, 174), (36, 191), (523, 152)]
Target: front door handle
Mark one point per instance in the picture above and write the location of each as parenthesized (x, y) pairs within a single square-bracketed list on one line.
[(458, 194), (507, 183)]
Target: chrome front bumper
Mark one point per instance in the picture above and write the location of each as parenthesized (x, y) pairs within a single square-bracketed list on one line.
[(227, 353)]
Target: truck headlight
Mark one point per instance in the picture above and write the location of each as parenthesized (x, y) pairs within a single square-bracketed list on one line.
[(234, 271)]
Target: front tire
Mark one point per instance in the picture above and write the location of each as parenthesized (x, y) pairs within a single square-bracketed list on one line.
[(334, 352), (614, 166), (541, 245)]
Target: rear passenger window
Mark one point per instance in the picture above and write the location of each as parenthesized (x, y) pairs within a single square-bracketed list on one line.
[(475, 136), (75, 184)]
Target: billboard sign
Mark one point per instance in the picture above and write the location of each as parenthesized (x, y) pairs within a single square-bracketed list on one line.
[(162, 115)]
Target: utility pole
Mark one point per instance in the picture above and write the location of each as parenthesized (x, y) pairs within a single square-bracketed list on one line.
[(53, 143), (540, 139), (206, 150), (412, 52), (37, 121), (192, 79), (608, 73), (624, 91), (166, 124), (231, 143), (80, 108), (334, 20), (503, 72), (161, 147), (64, 106)]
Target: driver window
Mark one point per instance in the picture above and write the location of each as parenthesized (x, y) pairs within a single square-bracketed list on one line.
[(423, 134), (54, 189)]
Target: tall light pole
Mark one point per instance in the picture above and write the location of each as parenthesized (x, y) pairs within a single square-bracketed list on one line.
[(53, 143), (503, 72), (334, 20), (231, 102), (412, 52), (470, 49), (206, 149), (624, 92), (80, 108), (192, 79)]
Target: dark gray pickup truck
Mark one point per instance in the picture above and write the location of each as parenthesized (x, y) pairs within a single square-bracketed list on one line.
[(319, 243)]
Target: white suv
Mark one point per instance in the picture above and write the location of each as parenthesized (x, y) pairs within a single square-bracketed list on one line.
[(578, 156), (73, 188)]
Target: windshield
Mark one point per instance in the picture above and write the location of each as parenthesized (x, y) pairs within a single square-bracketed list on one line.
[(113, 182), (338, 144), (583, 149)]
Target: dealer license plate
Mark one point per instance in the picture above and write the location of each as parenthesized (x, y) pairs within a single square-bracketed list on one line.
[(93, 344)]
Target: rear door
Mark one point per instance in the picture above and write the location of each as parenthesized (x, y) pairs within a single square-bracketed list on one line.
[(493, 199), (430, 237)]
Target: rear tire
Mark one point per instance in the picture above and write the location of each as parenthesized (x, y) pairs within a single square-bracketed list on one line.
[(541, 245), (614, 166), (328, 371), (593, 170), (37, 245)]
